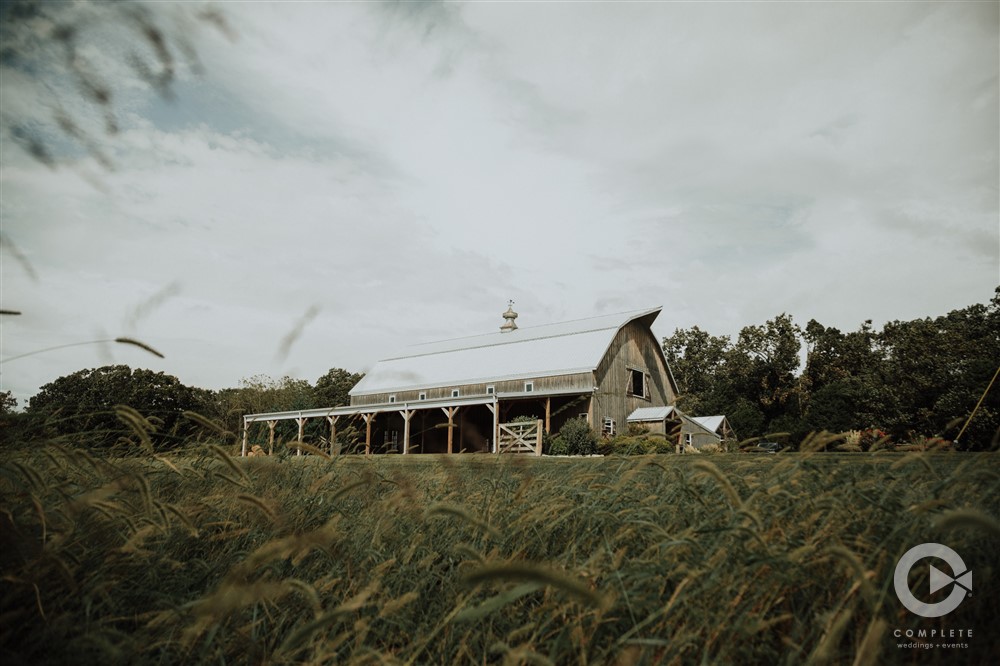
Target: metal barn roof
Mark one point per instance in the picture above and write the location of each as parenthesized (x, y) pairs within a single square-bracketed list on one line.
[(709, 422), (651, 413), (535, 351)]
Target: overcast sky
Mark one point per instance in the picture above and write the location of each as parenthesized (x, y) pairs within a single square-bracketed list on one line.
[(335, 181)]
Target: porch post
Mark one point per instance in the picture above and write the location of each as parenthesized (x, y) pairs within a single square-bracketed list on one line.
[(368, 432), (548, 415), (243, 452), (450, 412), (407, 414), (302, 422), (334, 445), (270, 437), (495, 408)]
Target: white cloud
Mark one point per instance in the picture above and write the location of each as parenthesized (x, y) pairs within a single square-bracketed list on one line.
[(407, 169)]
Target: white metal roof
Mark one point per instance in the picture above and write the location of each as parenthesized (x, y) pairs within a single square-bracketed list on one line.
[(651, 413), (535, 351), (709, 422)]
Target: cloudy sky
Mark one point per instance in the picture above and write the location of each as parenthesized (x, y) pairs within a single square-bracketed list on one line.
[(319, 184)]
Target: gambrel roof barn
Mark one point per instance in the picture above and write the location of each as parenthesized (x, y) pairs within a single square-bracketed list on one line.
[(453, 395)]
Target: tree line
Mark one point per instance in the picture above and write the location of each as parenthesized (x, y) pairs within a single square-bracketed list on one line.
[(85, 407), (911, 380)]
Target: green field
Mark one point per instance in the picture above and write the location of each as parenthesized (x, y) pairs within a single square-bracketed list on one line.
[(729, 558)]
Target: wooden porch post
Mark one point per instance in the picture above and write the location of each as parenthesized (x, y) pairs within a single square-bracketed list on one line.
[(243, 452), (302, 422), (368, 432), (334, 444), (538, 439), (450, 412), (407, 414), (495, 408), (270, 437), (548, 414)]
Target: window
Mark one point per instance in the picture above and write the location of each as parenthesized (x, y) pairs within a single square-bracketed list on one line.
[(392, 398), (637, 384), (422, 396), (454, 393), (529, 387), (391, 440), (608, 427), (490, 390)]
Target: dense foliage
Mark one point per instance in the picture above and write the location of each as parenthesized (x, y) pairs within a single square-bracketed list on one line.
[(87, 406), (913, 379), (203, 558), (114, 406)]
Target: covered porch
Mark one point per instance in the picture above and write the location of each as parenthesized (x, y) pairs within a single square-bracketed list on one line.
[(455, 425)]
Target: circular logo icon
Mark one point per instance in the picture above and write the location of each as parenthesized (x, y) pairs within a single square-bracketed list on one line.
[(960, 577)]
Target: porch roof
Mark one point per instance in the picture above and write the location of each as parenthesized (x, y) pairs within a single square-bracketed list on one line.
[(410, 405)]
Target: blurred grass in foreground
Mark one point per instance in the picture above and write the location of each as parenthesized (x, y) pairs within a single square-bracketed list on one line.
[(200, 557)]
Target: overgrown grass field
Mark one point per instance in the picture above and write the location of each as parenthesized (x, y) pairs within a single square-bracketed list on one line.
[(205, 558)]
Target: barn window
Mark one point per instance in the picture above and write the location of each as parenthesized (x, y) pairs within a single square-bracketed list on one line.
[(608, 427), (529, 387), (422, 396), (454, 393), (490, 390), (637, 384), (392, 398)]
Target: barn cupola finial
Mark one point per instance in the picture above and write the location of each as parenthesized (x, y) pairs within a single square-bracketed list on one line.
[(509, 317)]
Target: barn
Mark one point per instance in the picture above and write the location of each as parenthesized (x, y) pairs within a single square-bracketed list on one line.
[(467, 394)]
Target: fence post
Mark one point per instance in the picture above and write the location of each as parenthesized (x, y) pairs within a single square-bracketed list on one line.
[(538, 438)]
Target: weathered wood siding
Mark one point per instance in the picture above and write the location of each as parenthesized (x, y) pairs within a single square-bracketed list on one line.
[(582, 382), (633, 348), (699, 436)]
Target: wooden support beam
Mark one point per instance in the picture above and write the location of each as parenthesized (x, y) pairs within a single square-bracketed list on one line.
[(302, 424), (334, 444), (407, 414), (368, 432), (495, 408), (270, 437), (548, 414), (243, 452), (450, 412), (538, 439)]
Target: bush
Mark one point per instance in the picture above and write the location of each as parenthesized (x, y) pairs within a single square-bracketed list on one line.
[(576, 438), (640, 445), (557, 447)]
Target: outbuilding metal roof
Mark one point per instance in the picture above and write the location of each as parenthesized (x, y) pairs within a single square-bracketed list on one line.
[(643, 414), (709, 422), (534, 351)]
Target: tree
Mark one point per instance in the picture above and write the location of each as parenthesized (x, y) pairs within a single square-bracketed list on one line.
[(83, 405), (697, 361), (333, 388), (762, 365), (939, 368), (8, 403)]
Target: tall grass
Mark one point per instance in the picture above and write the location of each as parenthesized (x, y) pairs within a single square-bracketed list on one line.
[(205, 558)]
